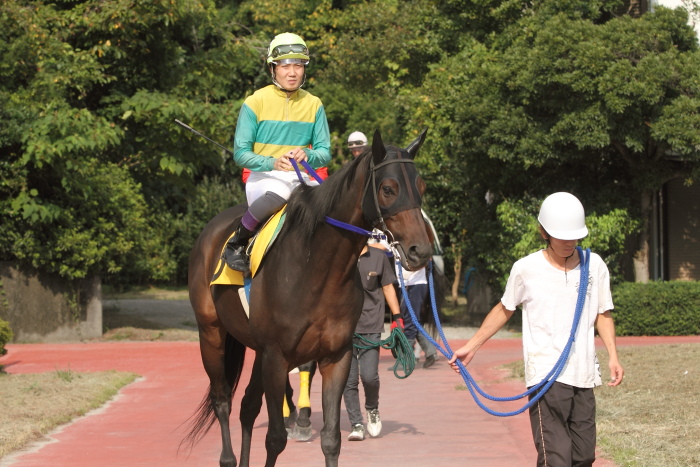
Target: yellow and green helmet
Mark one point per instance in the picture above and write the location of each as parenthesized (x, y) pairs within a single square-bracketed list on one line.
[(287, 46)]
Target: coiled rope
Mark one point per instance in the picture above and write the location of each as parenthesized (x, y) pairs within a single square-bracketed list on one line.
[(400, 349)]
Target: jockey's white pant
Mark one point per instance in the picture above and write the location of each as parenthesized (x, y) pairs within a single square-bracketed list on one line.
[(280, 182)]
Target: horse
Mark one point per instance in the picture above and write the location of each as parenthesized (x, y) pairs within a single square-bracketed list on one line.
[(306, 296)]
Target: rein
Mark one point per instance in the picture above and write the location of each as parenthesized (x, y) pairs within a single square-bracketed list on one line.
[(471, 384), (393, 245)]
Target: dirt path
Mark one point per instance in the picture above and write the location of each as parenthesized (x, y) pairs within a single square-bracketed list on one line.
[(428, 419)]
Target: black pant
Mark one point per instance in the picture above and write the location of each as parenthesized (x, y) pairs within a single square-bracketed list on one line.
[(563, 426), (364, 367)]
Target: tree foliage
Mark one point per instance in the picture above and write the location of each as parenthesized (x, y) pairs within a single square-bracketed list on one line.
[(521, 99), (565, 100), (92, 161)]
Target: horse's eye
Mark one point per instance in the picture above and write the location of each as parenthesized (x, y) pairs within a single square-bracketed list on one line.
[(388, 192)]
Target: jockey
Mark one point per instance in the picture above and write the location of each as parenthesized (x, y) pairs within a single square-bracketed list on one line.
[(276, 124)]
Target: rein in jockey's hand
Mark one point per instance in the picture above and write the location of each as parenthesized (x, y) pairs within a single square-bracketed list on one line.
[(298, 154), (284, 161)]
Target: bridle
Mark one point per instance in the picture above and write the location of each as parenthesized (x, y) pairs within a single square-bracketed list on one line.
[(409, 197)]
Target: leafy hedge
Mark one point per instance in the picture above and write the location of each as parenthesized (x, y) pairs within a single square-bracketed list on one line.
[(5, 336), (657, 308)]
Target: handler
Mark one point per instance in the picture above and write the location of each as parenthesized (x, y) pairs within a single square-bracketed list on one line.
[(546, 284), (377, 277)]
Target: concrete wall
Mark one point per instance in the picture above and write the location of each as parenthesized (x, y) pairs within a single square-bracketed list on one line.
[(45, 308)]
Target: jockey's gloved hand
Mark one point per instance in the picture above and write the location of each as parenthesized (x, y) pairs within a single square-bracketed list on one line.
[(396, 321)]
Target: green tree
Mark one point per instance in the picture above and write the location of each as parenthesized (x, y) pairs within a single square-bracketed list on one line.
[(568, 98), (91, 162)]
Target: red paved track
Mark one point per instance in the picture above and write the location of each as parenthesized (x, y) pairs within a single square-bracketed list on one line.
[(426, 422)]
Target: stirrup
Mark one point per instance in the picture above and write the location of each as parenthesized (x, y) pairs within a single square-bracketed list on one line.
[(237, 259)]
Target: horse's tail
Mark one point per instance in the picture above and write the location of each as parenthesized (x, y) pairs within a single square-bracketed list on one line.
[(204, 416), (426, 312)]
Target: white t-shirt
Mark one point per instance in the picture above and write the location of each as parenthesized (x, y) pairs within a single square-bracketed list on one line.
[(411, 277), (548, 297)]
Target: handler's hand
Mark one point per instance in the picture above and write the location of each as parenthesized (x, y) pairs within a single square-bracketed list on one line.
[(465, 354), (616, 373)]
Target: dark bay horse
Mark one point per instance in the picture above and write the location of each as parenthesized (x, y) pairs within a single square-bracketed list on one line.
[(306, 297)]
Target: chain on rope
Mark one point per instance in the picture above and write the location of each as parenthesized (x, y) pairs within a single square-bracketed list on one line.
[(473, 387)]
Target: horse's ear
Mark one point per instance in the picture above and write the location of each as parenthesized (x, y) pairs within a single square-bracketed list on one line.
[(415, 145), (378, 149)]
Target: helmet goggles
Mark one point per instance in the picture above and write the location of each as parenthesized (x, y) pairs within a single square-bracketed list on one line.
[(292, 61), (359, 143), (286, 51)]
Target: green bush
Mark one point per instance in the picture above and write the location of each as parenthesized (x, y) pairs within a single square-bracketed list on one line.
[(6, 336), (657, 308)]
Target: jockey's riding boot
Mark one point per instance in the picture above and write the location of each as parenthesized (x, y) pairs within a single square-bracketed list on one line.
[(235, 251)]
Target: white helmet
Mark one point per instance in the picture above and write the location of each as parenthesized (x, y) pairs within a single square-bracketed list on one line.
[(562, 217), (357, 139)]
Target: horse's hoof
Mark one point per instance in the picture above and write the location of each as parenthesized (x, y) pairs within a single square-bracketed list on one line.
[(291, 419), (301, 433)]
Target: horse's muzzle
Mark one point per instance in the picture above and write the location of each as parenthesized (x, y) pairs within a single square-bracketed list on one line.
[(416, 256)]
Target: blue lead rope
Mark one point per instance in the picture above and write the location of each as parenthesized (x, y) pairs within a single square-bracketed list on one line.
[(473, 387), (546, 382)]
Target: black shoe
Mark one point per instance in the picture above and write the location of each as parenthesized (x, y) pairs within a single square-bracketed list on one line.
[(429, 361), (235, 252), (236, 258)]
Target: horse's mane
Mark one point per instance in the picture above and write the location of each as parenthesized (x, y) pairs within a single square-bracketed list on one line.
[(308, 206)]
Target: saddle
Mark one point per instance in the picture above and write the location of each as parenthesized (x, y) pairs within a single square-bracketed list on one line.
[(259, 245)]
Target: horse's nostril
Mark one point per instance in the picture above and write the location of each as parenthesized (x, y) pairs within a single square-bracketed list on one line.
[(420, 253)]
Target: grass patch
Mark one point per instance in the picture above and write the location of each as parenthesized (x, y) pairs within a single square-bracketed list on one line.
[(129, 333), (653, 417), (34, 404), (145, 293)]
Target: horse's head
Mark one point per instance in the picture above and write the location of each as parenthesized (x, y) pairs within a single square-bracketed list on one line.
[(392, 200)]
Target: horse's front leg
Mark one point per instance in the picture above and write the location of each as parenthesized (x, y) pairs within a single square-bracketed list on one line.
[(274, 377), (250, 408), (334, 375)]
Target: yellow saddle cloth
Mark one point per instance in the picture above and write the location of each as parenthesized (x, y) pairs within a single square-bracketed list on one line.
[(261, 244)]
